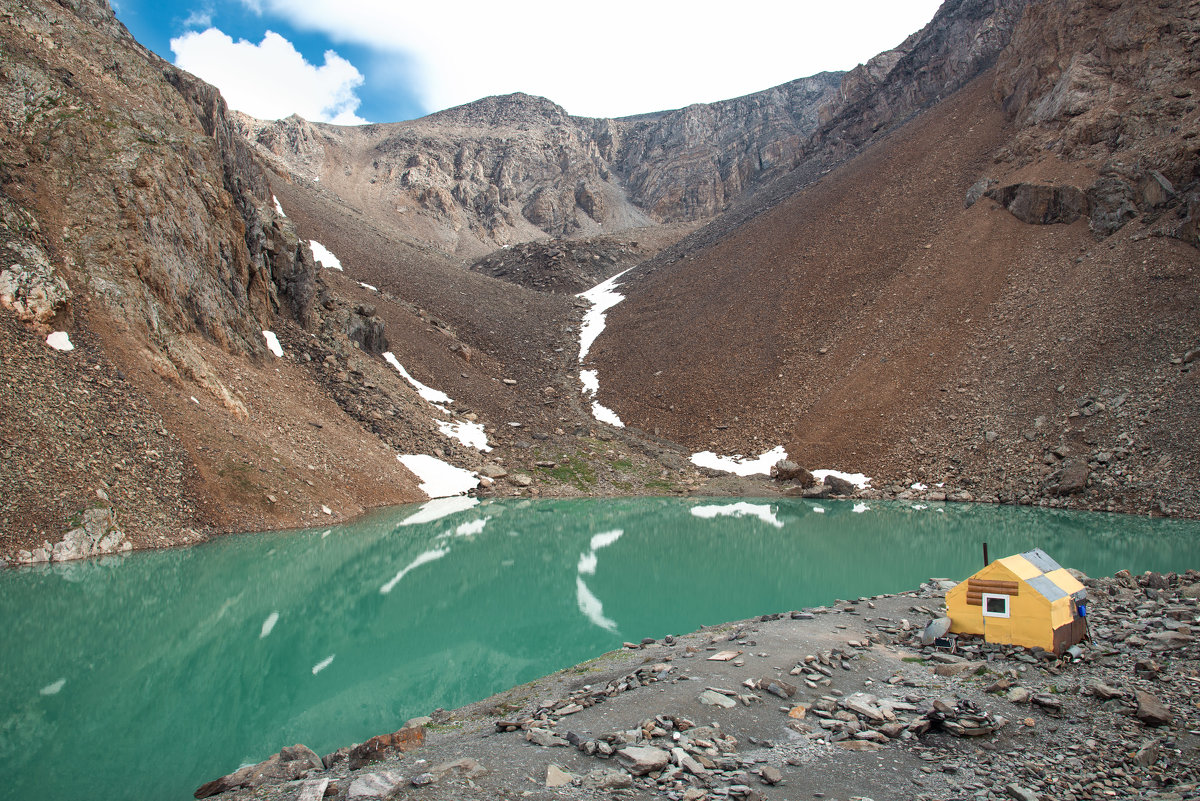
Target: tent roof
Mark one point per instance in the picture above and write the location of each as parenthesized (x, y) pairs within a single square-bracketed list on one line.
[(1037, 569)]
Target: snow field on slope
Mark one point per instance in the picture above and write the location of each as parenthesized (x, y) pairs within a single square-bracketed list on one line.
[(603, 297)]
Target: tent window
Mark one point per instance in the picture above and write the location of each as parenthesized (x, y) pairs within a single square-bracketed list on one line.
[(995, 605)]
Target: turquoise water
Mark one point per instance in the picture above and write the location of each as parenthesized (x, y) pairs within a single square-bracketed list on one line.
[(143, 676)]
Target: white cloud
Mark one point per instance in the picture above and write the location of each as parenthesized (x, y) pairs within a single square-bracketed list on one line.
[(198, 18), (271, 80), (625, 57)]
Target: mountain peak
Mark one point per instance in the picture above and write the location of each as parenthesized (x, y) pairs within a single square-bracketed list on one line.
[(503, 110)]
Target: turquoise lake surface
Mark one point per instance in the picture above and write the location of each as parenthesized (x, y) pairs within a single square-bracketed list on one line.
[(142, 676)]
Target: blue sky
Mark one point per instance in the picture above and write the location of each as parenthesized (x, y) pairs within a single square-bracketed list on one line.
[(351, 61)]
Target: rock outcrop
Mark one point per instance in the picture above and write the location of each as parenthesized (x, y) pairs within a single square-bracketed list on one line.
[(161, 211), (510, 169), (1112, 83)]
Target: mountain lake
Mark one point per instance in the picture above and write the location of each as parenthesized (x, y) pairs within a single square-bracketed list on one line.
[(145, 675)]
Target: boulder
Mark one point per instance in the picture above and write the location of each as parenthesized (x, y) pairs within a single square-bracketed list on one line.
[(1072, 477), (1111, 204), (1151, 711), (374, 785), (29, 286), (640, 760), (289, 764), (378, 747), (978, 190), (839, 486), (1041, 204), (788, 470)]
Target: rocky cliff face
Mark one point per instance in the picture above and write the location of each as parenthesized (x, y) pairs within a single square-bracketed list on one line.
[(509, 169), (156, 206), (1113, 85)]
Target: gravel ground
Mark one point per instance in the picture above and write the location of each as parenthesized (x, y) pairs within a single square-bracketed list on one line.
[(838, 702)]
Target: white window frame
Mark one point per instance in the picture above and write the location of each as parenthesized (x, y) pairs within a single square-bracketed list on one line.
[(1007, 605)]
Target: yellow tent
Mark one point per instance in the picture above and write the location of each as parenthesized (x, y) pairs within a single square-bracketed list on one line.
[(1027, 599)]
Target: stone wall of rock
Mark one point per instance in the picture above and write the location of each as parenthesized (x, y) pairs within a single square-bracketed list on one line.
[(1114, 83), (160, 211)]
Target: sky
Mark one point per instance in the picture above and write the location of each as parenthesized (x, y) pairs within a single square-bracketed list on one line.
[(356, 61)]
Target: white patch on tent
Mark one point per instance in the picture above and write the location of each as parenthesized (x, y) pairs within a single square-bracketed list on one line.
[(819, 510), (857, 479), (606, 415), (54, 688), (60, 340), (368, 286), (741, 465), (860, 508), (602, 296), (324, 257), (434, 396), (278, 208), (273, 343), (591, 382), (324, 663), (439, 479), (268, 625), (422, 559), (742, 509), (591, 607), (918, 486), (466, 432), (439, 508)]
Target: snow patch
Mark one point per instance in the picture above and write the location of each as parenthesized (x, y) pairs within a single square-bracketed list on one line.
[(860, 508), (819, 510), (591, 381), (59, 340), (439, 508), (273, 344), (606, 415), (268, 625), (53, 689), (919, 487), (439, 479), (434, 396), (741, 509), (324, 663), (857, 479), (326, 510), (324, 257), (602, 296), (368, 286), (422, 559), (741, 465), (278, 208), (466, 432)]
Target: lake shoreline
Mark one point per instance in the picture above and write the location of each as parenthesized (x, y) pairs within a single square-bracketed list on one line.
[(1062, 727), (712, 485)]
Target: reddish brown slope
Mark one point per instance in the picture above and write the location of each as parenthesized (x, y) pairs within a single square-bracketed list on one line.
[(873, 323)]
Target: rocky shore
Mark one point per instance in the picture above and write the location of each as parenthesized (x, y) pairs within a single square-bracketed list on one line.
[(836, 702)]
